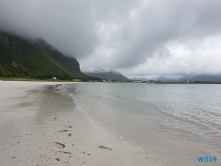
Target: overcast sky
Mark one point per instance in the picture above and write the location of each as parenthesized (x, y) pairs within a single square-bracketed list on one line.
[(135, 37)]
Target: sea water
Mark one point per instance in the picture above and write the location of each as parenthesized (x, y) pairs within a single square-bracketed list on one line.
[(173, 123)]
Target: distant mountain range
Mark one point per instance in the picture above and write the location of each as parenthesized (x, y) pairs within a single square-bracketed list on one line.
[(21, 57), (107, 75), (185, 78), (216, 78)]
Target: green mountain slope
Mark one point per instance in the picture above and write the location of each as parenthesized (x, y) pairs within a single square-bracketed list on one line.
[(111, 75), (35, 59)]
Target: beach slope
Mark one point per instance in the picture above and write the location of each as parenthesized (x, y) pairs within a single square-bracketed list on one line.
[(39, 126)]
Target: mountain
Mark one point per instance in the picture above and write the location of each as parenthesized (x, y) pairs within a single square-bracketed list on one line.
[(111, 75), (166, 79), (162, 78), (27, 58), (216, 78), (185, 78)]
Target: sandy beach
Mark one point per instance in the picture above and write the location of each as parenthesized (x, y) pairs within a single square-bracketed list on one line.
[(42, 127)]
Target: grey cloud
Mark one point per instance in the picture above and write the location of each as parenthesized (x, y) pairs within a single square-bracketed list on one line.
[(122, 35), (160, 22), (68, 25)]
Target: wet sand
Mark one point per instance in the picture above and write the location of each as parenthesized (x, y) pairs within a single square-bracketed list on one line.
[(41, 127)]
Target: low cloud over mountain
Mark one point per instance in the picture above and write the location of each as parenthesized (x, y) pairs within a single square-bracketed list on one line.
[(137, 38)]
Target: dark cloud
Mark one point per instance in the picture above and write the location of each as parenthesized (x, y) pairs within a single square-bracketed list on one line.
[(139, 37), (67, 25), (157, 23)]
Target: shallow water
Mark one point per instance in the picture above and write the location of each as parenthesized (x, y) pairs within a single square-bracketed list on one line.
[(172, 123)]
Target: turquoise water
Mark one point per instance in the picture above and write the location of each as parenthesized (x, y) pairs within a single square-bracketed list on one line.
[(173, 123)]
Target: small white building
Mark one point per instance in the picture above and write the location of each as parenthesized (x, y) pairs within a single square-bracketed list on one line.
[(54, 78)]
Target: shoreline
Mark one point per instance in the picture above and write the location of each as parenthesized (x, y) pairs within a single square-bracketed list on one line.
[(42, 127)]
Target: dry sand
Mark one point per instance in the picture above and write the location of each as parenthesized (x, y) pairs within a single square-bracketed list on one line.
[(41, 127)]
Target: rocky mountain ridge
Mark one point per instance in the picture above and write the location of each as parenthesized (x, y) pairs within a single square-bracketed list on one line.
[(107, 75), (23, 57)]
